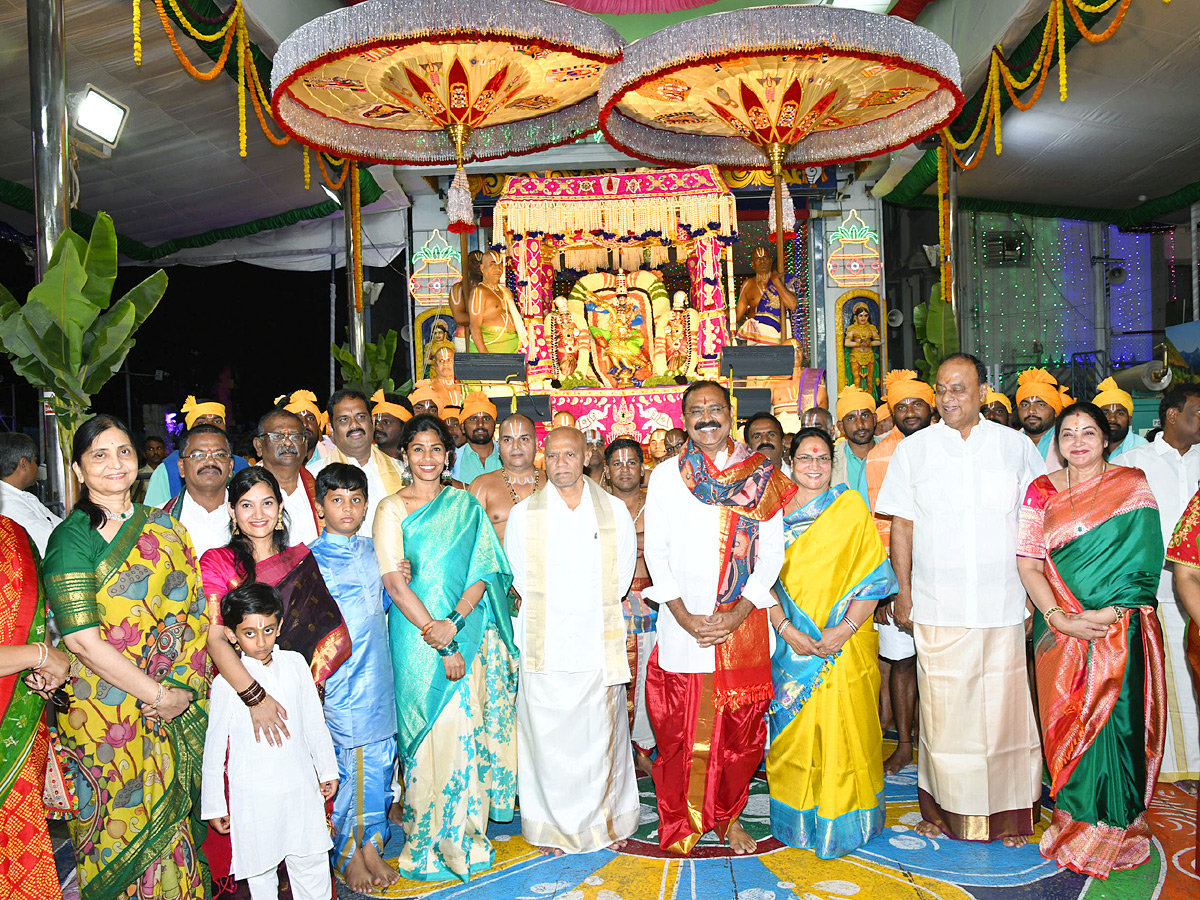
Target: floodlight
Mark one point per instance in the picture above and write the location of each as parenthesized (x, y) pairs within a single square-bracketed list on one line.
[(100, 117)]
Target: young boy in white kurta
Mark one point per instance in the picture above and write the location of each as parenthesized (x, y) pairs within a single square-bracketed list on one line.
[(276, 808)]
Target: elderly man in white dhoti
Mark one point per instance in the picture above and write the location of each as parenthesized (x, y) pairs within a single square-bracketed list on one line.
[(573, 549)]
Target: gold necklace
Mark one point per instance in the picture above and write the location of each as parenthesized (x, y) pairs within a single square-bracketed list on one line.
[(1096, 493), (537, 480)]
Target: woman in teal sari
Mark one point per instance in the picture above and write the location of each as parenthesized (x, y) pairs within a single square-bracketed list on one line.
[(1089, 553), (453, 660), (825, 765)]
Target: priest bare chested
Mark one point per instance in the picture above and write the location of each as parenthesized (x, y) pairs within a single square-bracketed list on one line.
[(517, 476)]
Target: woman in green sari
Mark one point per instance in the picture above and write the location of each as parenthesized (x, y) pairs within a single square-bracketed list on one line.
[(122, 583), (453, 661), (1089, 554)]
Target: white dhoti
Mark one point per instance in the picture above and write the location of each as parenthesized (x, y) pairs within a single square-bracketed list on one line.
[(642, 732), (979, 769), (575, 776), (1181, 755), (894, 642)]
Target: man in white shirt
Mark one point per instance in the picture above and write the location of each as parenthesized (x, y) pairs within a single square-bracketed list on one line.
[(202, 507), (572, 548), (18, 473), (708, 682), (1172, 466), (353, 431), (280, 445), (954, 491)]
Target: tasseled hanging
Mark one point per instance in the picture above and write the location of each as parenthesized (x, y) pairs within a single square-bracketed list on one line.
[(459, 207), (789, 213)]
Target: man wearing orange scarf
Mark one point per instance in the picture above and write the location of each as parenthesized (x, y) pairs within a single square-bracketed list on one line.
[(708, 682), (910, 405)]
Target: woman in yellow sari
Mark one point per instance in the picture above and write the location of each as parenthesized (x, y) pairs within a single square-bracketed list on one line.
[(122, 582), (825, 765)]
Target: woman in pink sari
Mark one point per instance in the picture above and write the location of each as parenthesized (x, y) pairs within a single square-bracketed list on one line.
[(311, 625)]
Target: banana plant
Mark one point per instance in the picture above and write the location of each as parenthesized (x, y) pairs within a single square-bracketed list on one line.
[(376, 374), (934, 327), (69, 337)]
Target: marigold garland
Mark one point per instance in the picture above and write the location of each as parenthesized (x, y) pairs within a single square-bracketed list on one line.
[(333, 185), (944, 269), (356, 226), (137, 32), (307, 170), (183, 60)]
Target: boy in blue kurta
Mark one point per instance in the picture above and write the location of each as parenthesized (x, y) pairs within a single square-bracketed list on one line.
[(359, 707)]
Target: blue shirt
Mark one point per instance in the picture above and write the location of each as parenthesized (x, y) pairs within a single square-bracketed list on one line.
[(856, 472), (360, 705), (468, 466), (1133, 439)]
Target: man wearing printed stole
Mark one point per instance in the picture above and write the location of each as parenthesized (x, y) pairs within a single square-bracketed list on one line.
[(572, 548), (708, 683)]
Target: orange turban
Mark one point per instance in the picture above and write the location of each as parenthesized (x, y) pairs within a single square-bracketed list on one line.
[(1066, 398), (385, 406), (451, 411), (851, 399), (1039, 383), (997, 397), (192, 410), (422, 394), (1111, 395), (882, 411), (476, 403), (903, 384)]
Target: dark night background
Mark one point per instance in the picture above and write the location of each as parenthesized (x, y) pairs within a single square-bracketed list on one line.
[(265, 332)]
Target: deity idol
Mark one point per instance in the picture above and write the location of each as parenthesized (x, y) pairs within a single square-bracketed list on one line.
[(569, 341), (675, 337), (862, 338), (621, 344)]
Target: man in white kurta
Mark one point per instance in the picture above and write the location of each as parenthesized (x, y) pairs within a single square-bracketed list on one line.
[(18, 473), (572, 548), (954, 491), (202, 507), (1172, 466)]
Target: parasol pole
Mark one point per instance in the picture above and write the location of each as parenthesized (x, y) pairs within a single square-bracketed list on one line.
[(776, 151), (459, 133)]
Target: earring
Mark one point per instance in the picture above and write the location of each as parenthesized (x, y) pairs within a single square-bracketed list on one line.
[(279, 523), (447, 478), (233, 529)]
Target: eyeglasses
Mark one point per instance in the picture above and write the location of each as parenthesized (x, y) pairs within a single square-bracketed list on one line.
[(705, 410), (202, 455), (809, 460), (287, 437)]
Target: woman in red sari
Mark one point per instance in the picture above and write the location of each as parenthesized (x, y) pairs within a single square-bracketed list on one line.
[(1089, 554), (311, 625), (26, 862), (1184, 551)]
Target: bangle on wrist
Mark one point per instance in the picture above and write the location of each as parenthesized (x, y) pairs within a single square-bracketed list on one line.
[(456, 619), (253, 695), (1050, 612), (449, 650), (851, 624), (43, 655), (428, 625)]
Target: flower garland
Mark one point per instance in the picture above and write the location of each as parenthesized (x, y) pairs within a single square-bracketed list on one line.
[(944, 219), (356, 226)]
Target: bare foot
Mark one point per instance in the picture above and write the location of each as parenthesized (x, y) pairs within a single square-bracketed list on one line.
[(927, 829), (358, 876), (396, 814), (1188, 786), (642, 763), (738, 840), (902, 756), (617, 845), (1014, 841), (549, 851), (382, 874)]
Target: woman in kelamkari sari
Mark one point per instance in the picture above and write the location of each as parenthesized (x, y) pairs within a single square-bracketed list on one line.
[(453, 661), (825, 765), (1089, 553), (26, 861), (122, 583)]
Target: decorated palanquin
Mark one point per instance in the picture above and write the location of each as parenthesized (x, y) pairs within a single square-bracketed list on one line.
[(620, 311)]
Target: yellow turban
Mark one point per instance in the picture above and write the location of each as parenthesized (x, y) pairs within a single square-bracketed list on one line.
[(422, 394), (1066, 398), (903, 384), (302, 401), (1111, 394), (476, 403), (851, 399), (997, 397), (450, 411), (1039, 383), (883, 411), (192, 410), (385, 406)]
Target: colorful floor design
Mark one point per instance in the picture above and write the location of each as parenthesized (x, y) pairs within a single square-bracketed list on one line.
[(897, 864)]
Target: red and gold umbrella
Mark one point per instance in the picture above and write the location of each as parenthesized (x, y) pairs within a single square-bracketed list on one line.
[(778, 86), (427, 82)]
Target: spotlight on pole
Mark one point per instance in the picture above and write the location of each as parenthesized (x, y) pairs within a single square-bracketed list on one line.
[(97, 120)]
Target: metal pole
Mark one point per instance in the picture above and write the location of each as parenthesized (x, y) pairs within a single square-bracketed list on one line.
[(1195, 261), (951, 248), (1100, 296), (332, 317), (48, 111), (352, 241)]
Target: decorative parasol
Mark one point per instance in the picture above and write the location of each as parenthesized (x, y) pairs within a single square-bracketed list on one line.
[(427, 82), (779, 85)]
